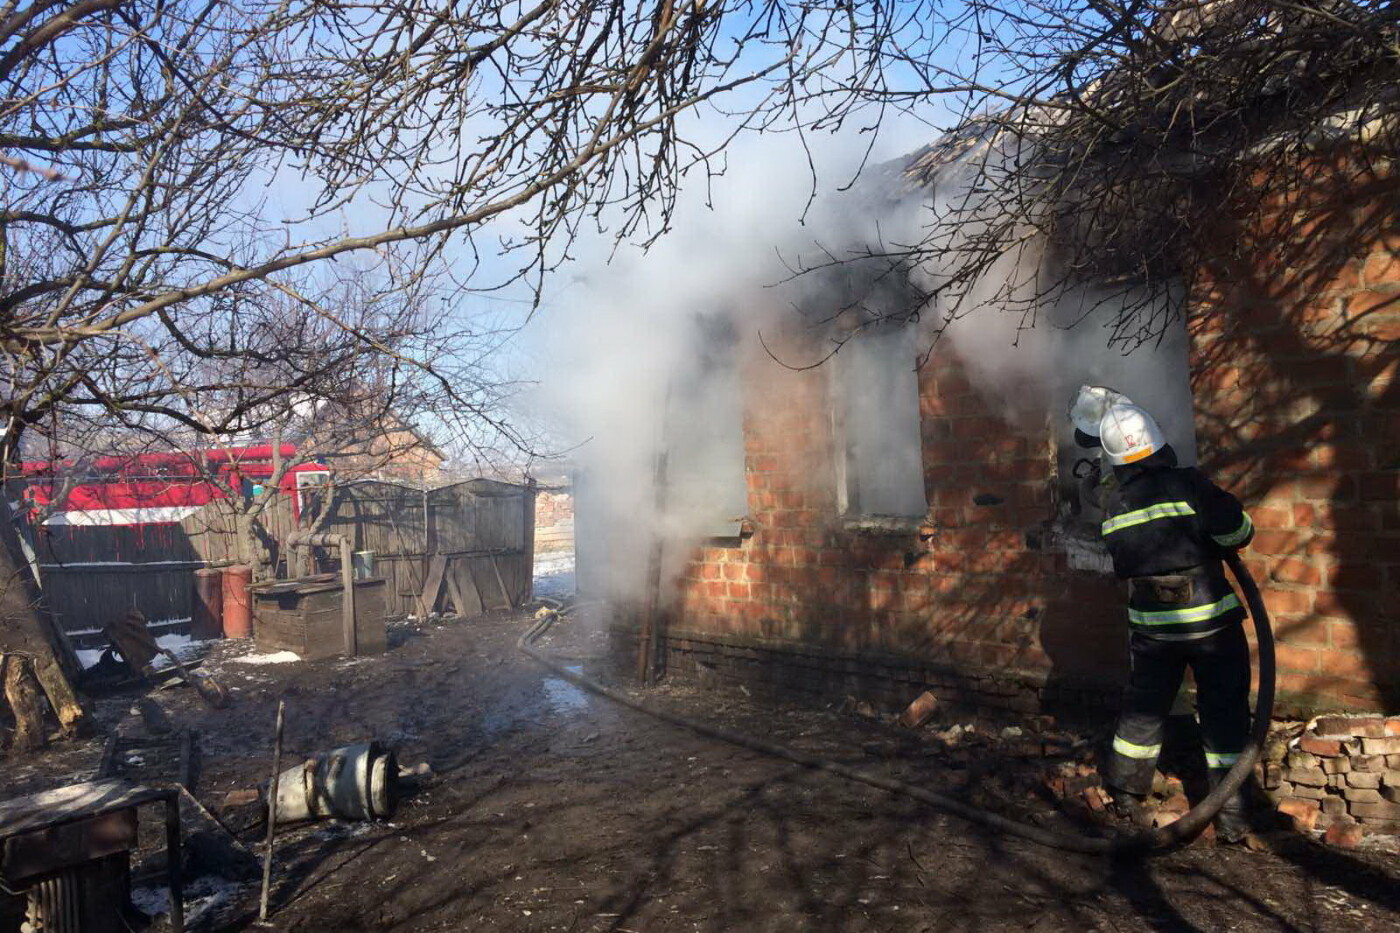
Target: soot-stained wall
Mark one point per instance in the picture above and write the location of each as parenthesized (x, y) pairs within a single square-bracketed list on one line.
[(1294, 323)]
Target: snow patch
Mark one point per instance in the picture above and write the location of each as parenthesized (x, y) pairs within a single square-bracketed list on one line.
[(203, 897), (279, 657), (554, 576), (182, 646)]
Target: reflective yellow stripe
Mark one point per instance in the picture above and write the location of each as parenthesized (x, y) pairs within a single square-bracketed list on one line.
[(1222, 759), (1180, 616), (1236, 536), (1131, 750), (1151, 513)]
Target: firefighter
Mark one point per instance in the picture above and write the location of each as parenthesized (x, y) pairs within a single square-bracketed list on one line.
[(1167, 529)]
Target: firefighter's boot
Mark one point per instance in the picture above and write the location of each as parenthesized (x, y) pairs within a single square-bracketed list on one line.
[(1232, 822), (1131, 808)]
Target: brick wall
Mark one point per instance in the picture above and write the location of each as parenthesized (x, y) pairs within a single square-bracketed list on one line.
[(1340, 767), (1294, 331), (1295, 326), (554, 521), (960, 602)]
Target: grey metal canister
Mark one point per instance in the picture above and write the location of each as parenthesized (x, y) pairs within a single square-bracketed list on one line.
[(356, 782)]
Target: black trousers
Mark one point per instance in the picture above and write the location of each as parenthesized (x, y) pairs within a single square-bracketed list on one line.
[(1220, 662)]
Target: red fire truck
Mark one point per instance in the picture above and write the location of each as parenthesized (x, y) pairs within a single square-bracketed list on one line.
[(155, 488)]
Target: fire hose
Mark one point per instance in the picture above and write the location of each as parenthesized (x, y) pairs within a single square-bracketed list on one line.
[(1173, 834)]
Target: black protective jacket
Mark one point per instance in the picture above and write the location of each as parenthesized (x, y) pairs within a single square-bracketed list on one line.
[(1167, 529)]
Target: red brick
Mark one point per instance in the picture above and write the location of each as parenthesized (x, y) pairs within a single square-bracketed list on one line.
[(1327, 748), (1371, 302), (1280, 601), (1304, 515), (738, 591), (1301, 684), (1302, 660), (1296, 570), (763, 463), (1389, 745), (1346, 664), (1382, 267), (1304, 813), (919, 711), (1304, 632), (1350, 726), (1333, 604), (1343, 635), (1004, 541), (1378, 811), (1381, 326), (1271, 518), (1278, 542), (1344, 833)]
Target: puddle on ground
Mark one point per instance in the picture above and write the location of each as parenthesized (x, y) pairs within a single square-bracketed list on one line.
[(564, 696)]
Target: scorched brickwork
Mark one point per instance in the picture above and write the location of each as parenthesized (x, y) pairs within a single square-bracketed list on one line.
[(1294, 328)]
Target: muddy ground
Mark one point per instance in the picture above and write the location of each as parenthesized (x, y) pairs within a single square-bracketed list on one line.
[(550, 810)]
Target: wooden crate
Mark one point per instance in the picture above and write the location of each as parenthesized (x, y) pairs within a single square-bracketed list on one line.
[(305, 616)]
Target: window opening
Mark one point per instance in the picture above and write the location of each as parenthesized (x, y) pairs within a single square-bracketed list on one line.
[(879, 465), (707, 489)]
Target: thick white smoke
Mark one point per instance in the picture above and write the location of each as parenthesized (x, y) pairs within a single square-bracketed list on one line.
[(641, 352), (1030, 333), (639, 347)]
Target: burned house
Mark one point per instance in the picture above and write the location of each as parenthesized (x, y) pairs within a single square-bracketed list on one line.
[(900, 514)]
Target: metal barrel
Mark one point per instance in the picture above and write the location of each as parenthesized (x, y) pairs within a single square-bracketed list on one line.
[(237, 607), (208, 617)]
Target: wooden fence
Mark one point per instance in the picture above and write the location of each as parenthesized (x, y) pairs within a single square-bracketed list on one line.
[(483, 529), (91, 574)]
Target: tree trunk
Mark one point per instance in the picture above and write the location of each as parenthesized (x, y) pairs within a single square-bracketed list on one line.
[(22, 693), (249, 547), (27, 628)]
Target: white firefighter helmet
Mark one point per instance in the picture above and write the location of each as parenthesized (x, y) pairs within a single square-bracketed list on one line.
[(1090, 404), (1129, 434)]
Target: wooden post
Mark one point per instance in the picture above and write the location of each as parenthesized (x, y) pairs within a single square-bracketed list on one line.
[(532, 491), (22, 693), (648, 643), (172, 863), (347, 603), (272, 810)]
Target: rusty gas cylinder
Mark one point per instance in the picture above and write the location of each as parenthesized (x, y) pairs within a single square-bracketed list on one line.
[(238, 608)]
